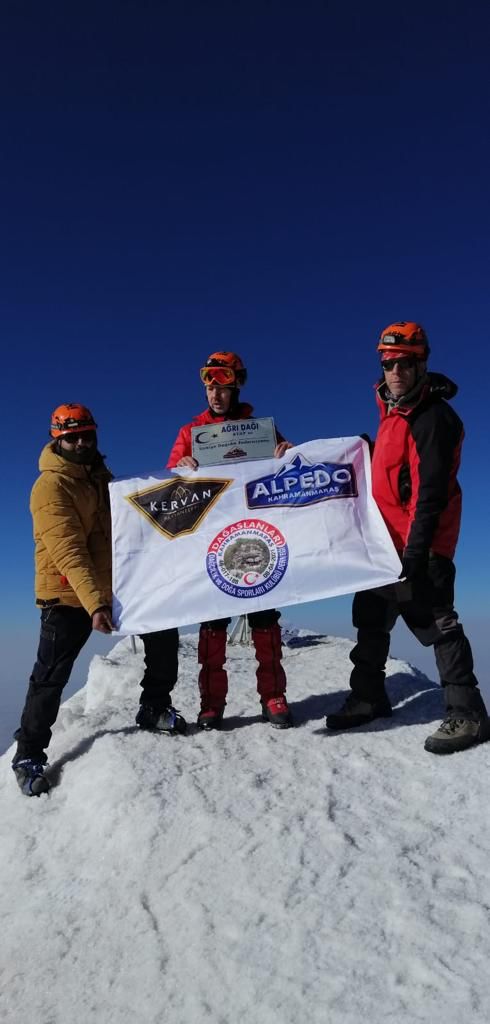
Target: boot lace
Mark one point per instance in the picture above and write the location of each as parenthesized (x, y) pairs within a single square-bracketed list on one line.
[(452, 724)]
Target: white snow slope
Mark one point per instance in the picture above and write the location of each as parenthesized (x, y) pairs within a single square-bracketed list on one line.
[(252, 875)]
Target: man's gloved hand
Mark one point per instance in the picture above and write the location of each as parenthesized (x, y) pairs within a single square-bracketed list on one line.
[(416, 595), (415, 571), (414, 568)]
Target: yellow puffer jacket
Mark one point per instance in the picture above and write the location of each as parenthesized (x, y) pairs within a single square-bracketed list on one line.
[(72, 532)]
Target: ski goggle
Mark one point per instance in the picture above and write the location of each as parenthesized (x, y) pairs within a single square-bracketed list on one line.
[(223, 376), (403, 363)]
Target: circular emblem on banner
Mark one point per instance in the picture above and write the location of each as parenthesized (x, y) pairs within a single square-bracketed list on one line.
[(248, 558)]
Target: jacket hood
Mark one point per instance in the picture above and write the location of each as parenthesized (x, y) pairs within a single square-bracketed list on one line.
[(442, 386), (436, 385), (51, 462)]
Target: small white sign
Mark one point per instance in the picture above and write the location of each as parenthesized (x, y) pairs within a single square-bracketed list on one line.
[(216, 444)]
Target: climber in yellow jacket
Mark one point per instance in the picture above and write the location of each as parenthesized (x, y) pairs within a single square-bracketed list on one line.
[(72, 533), (72, 527)]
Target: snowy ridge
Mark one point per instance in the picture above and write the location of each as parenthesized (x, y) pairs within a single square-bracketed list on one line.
[(253, 875)]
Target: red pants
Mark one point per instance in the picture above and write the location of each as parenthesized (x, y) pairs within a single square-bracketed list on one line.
[(266, 636)]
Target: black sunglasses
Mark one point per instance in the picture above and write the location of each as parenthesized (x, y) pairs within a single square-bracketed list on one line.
[(403, 363), (84, 435)]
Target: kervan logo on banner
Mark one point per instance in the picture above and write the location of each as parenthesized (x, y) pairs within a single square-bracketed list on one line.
[(248, 558), (301, 482), (177, 507)]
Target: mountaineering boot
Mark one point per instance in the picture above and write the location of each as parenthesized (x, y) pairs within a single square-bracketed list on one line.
[(167, 720), (458, 731), (355, 711), (209, 717), (30, 777), (271, 677), (213, 680), (276, 711)]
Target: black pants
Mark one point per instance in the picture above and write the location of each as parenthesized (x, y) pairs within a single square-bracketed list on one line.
[(429, 613), (161, 667), (64, 631)]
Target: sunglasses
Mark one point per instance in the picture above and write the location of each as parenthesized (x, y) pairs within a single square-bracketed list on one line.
[(223, 376), (87, 436), (403, 363)]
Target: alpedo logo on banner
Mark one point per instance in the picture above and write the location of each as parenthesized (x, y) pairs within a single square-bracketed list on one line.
[(247, 558), (301, 482), (177, 506)]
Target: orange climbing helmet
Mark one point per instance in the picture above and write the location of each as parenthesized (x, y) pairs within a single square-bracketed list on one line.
[(405, 337), (225, 369), (71, 418)]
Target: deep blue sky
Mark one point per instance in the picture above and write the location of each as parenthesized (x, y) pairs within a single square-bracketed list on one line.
[(280, 179)]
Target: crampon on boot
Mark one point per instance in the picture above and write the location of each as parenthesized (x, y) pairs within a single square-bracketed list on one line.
[(210, 718), (166, 720), (30, 777)]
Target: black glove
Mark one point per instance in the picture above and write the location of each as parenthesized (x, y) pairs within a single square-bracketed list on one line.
[(416, 605), (414, 568)]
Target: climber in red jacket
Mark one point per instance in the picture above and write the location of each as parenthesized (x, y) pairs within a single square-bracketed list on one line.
[(415, 461), (222, 376)]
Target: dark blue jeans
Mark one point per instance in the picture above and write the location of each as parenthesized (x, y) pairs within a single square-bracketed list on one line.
[(64, 631)]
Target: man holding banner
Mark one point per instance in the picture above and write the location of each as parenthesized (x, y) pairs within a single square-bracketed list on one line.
[(222, 376), (71, 524), (415, 461), (72, 532)]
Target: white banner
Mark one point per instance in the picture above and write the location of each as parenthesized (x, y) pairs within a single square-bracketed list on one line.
[(225, 540)]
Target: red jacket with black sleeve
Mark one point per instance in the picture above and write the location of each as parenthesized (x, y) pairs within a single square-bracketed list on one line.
[(416, 457)]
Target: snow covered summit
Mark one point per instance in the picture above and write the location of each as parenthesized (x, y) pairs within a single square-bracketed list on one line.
[(250, 875)]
